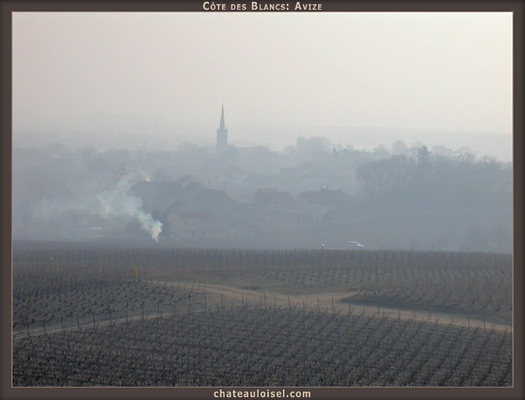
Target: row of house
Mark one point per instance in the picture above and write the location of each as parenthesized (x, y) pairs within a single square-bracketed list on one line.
[(190, 210)]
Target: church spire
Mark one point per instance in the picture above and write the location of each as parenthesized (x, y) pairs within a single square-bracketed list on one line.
[(222, 132), (222, 118)]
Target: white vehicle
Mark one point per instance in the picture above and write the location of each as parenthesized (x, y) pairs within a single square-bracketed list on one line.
[(351, 244)]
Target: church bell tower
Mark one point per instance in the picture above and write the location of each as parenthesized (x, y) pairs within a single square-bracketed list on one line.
[(222, 132)]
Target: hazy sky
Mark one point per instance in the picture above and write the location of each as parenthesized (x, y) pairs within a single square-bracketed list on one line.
[(416, 71)]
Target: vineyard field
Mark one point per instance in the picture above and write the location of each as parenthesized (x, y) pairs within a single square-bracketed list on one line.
[(267, 348), (196, 317)]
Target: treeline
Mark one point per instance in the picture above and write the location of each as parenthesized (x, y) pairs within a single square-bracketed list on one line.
[(433, 179), (453, 200)]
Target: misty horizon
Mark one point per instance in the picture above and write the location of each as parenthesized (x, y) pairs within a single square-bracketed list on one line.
[(360, 79), (170, 135), (370, 127)]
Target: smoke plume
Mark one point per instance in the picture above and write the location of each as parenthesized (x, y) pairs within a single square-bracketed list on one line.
[(89, 201), (116, 201)]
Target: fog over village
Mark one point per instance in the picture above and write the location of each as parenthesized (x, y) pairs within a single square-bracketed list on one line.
[(311, 194), (397, 137)]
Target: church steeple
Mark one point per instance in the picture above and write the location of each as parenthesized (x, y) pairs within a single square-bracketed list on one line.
[(222, 118), (222, 132)]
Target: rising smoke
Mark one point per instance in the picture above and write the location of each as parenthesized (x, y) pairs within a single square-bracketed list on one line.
[(89, 201), (116, 201)]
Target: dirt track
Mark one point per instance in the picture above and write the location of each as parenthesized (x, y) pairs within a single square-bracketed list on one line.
[(328, 302), (324, 302)]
